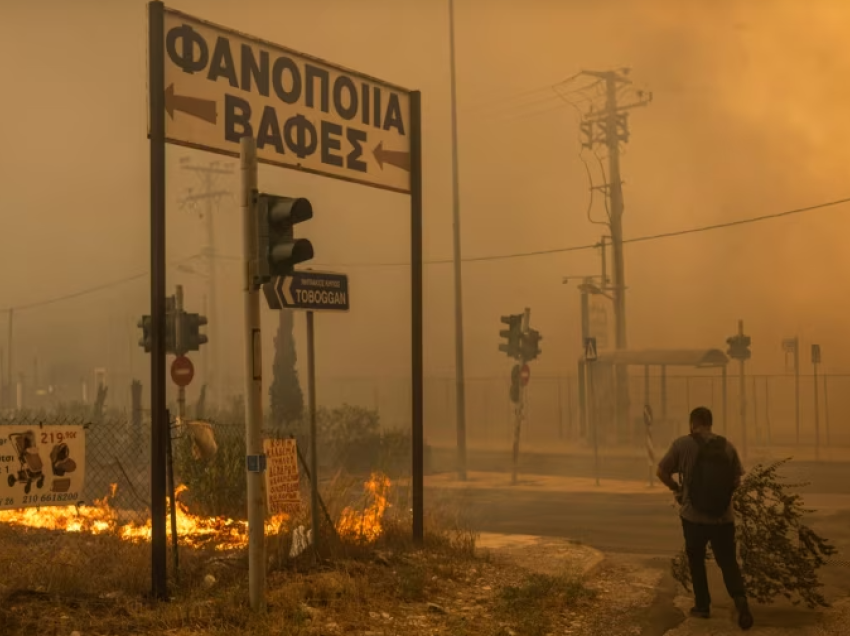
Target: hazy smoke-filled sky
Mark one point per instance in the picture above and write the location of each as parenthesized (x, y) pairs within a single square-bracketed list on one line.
[(748, 118)]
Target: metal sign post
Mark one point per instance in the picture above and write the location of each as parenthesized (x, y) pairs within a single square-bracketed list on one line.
[(314, 444), (590, 356), (815, 364), (650, 448), (255, 459)]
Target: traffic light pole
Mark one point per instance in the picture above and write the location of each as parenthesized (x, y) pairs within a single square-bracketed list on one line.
[(159, 418), (255, 463), (314, 442), (797, 387), (743, 393), (179, 347), (519, 415)]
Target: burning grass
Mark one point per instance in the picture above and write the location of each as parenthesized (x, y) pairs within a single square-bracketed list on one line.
[(94, 575)]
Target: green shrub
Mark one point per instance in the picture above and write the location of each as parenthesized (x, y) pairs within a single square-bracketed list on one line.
[(779, 554)]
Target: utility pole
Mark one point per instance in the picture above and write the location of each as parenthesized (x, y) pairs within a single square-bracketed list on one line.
[(608, 128), (9, 356), (212, 199), (460, 380), (792, 346)]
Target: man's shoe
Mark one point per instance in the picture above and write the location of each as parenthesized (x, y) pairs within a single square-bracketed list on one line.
[(745, 617), (700, 613)]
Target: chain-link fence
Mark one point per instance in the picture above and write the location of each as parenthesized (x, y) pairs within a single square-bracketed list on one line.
[(554, 413)]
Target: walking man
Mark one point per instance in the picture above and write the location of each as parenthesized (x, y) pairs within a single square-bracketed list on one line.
[(709, 471)]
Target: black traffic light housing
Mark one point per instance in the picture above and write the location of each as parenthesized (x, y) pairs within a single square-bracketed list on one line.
[(278, 249), (530, 346), (739, 347), (512, 335), (192, 338), (146, 325), (146, 341)]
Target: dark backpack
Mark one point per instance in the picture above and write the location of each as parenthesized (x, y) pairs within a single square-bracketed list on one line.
[(713, 477)]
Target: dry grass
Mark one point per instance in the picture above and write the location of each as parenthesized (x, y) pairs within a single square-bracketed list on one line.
[(54, 584)]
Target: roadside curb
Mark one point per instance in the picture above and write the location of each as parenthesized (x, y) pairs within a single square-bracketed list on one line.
[(559, 554)]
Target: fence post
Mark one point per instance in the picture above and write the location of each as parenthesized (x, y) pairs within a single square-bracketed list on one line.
[(136, 414)]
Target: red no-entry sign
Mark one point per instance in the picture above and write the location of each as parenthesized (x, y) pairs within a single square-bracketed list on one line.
[(182, 371), (524, 374)]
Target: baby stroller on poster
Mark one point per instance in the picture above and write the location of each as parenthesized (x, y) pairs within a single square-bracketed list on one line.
[(31, 467)]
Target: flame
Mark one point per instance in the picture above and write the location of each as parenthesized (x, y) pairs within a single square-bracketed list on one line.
[(101, 518), (366, 526)]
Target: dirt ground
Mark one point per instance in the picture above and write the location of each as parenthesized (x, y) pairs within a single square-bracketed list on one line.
[(510, 586)]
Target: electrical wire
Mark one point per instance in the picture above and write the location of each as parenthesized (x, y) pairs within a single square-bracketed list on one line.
[(495, 257)]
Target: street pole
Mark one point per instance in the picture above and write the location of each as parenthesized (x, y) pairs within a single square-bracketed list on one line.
[(743, 392), (159, 415), (797, 387), (178, 330), (314, 450), (253, 383), (460, 380), (519, 411), (9, 352), (211, 199), (817, 411), (613, 122)]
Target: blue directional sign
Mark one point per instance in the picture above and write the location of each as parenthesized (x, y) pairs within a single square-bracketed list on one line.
[(308, 290)]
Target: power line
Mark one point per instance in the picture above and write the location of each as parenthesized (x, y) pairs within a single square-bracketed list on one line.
[(638, 239), (90, 290), (494, 257)]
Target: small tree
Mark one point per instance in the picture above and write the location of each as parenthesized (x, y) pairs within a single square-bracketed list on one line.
[(779, 553), (286, 397)]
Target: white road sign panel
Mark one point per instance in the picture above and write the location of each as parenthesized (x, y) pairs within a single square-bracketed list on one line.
[(41, 466), (304, 113)]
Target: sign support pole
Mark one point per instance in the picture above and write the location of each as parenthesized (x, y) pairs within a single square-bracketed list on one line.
[(314, 450), (253, 384), (817, 410), (416, 358), (594, 421), (178, 329), (742, 379), (159, 421)]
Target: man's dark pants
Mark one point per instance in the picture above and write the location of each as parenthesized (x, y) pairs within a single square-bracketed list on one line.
[(722, 539)]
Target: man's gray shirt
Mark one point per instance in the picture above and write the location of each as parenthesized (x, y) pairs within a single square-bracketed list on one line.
[(681, 459)]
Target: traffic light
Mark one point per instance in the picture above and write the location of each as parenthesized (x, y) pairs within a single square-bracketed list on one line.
[(530, 348), (192, 338), (146, 341), (739, 347), (278, 249), (146, 325), (512, 335)]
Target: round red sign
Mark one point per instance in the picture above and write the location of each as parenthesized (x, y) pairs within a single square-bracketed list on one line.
[(524, 374), (182, 371)]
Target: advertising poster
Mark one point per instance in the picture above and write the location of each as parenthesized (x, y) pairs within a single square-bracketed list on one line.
[(283, 485), (41, 465)]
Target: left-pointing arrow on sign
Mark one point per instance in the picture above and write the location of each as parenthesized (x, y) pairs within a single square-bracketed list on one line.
[(204, 109), (397, 158)]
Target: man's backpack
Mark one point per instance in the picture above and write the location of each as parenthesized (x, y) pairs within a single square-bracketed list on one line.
[(713, 477)]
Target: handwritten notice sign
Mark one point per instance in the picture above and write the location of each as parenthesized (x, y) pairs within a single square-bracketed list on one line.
[(283, 486), (41, 466)]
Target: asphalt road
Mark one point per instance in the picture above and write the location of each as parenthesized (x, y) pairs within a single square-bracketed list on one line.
[(821, 477), (645, 529)]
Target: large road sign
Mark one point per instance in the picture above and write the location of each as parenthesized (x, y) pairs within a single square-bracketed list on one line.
[(314, 291), (307, 114), (182, 371)]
